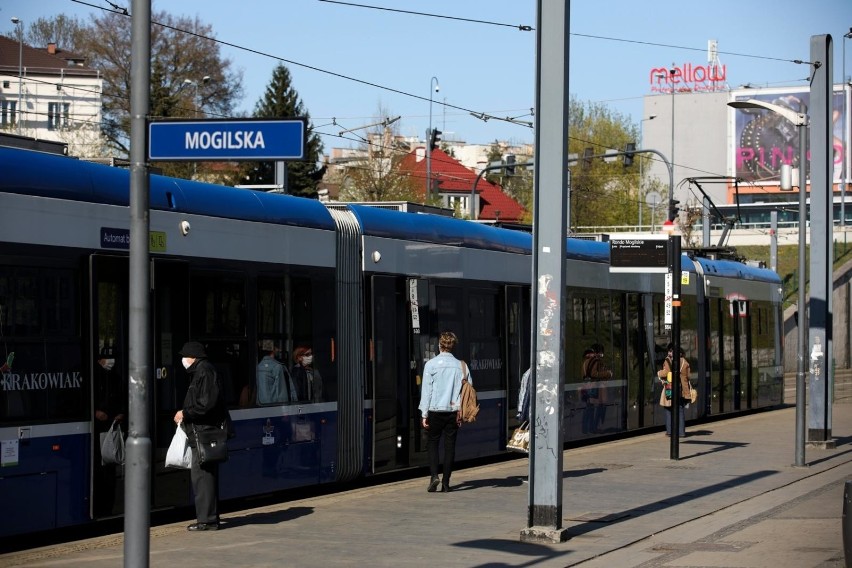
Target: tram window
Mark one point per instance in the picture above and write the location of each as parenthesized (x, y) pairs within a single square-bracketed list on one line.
[(217, 304), (484, 357), (43, 377), (450, 309)]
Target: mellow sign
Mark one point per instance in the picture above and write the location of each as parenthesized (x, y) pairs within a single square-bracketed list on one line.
[(252, 140)]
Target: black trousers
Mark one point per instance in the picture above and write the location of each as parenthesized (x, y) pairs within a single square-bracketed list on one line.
[(205, 486), (442, 424)]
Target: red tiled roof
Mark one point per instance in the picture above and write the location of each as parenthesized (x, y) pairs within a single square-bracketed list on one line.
[(39, 61), (455, 178)]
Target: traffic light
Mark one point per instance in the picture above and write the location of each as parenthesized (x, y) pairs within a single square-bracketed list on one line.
[(510, 164), (673, 209), (628, 154), (587, 157), (434, 138)]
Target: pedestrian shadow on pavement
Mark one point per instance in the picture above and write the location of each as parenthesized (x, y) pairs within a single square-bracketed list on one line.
[(268, 517), (708, 447), (495, 482), (516, 480)]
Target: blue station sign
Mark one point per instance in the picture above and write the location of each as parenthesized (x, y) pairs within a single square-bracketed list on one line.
[(232, 140)]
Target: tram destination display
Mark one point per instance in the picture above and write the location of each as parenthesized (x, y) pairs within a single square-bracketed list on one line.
[(644, 254)]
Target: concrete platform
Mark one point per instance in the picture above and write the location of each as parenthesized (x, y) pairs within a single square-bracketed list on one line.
[(733, 499)]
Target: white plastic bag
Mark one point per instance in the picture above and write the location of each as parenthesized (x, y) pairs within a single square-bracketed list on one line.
[(112, 446), (180, 452)]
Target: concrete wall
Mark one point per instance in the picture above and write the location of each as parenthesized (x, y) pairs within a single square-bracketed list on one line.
[(841, 335)]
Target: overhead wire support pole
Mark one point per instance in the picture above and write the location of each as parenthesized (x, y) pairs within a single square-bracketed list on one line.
[(800, 120), (549, 295), (137, 482)]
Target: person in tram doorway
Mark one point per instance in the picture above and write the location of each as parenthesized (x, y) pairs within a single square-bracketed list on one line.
[(273, 380), (440, 405), (203, 406), (306, 376), (666, 378), (593, 391), (110, 398)]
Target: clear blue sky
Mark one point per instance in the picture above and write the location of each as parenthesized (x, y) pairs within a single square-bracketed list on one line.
[(486, 66)]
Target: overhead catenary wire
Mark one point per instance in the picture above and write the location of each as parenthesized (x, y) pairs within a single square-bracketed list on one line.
[(479, 114)]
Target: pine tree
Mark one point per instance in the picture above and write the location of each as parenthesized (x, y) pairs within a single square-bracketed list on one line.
[(282, 101)]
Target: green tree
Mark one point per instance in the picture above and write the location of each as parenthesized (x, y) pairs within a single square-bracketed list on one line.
[(495, 154), (377, 176), (179, 52), (282, 101), (62, 30), (601, 193)]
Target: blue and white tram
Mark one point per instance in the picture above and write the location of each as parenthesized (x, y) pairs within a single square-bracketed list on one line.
[(368, 290)]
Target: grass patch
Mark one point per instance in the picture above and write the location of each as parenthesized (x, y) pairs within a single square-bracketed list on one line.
[(788, 264)]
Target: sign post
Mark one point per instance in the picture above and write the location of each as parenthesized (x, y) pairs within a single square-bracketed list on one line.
[(658, 254)]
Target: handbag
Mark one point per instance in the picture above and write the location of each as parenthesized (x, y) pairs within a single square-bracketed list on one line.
[(112, 445), (211, 443), (179, 454), (664, 401), (520, 440), (693, 394)]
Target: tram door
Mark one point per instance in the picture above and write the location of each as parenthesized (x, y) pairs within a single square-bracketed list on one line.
[(108, 326), (170, 323), (392, 374)]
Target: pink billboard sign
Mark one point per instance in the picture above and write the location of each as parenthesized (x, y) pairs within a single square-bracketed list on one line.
[(764, 140)]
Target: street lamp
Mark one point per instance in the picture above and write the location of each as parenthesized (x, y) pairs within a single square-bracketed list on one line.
[(641, 178), (800, 120), (433, 87), (197, 105), (195, 84), (20, 25), (672, 73)]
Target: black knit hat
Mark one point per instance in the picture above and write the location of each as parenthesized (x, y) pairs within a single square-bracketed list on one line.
[(193, 349)]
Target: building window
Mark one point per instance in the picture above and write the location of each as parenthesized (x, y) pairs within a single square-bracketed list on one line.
[(57, 115), (8, 114), (461, 202)]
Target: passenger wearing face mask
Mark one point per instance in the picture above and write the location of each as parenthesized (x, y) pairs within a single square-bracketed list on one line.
[(306, 377), (203, 407), (110, 400), (273, 380)]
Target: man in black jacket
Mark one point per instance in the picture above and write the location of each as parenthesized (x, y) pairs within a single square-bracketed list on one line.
[(202, 407)]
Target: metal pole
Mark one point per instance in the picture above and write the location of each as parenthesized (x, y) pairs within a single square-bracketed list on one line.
[(20, 26), (479, 177), (846, 36), (802, 347), (677, 410), (137, 483), (544, 513), (641, 164), (773, 241), (429, 141), (671, 155)]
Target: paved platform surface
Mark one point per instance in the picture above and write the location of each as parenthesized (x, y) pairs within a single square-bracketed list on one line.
[(733, 499)]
